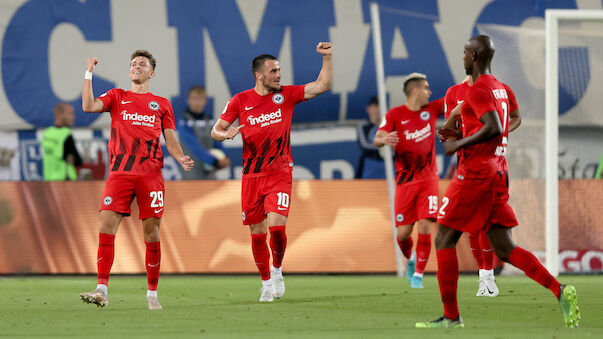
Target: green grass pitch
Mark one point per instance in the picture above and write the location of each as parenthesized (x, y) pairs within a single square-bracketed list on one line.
[(313, 307)]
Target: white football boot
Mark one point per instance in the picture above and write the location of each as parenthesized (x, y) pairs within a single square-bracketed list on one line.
[(278, 282), (267, 293)]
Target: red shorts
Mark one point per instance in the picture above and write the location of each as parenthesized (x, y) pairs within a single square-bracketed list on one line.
[(121, 189), (467, 209), (416, 201), (263, 194)]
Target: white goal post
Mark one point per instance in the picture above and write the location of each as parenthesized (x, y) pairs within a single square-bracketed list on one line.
[(552, 19), (386, 150)]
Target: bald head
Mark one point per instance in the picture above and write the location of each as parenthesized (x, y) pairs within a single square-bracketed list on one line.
[(484, 48), (479, 51), (63, 114)]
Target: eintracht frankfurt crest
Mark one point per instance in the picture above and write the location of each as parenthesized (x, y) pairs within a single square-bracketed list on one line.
[(154, 105), (425, 115), (278, 98)]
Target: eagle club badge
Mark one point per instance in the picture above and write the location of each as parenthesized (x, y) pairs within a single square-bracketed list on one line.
[(425, 115), (154, 105), (278, 98)]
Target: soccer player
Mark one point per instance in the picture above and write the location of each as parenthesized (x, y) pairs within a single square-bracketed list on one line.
[(137, 119), (410, 129), (478, 196), (265, 114), (480, 245)]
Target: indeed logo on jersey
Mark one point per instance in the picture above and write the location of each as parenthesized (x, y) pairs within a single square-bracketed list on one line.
[(138, 119), (419, 134), (266, 118)]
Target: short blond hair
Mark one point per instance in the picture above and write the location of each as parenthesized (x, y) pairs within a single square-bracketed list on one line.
[(411, 80)]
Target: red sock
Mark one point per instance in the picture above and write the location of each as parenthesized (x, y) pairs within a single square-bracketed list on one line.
[(278, 243), (152, 262), (104, 258), (406, 247), (261, 254), (476, 249), (448, 276), (528, 263), (423, 249), (489, 260)]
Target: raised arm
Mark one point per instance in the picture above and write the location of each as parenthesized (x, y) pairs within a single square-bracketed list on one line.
[(89, 104), (325, 77), (173, 146), (221, 130)]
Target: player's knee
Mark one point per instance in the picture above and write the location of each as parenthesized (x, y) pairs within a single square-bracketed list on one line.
[(441, 241), (260, 228), (404, 232), (446, 237), (153, 237), (503, 252), (424, 226)]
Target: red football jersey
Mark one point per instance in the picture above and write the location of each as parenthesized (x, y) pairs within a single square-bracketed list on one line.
[(137, 121), (415, 152), (266, 135), (486, 159), (455, 95)]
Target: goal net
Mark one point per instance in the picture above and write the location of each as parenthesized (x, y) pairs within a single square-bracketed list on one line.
[(554, 155)]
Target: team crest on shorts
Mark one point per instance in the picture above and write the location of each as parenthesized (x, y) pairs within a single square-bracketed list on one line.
[(399, 217), (107, 201), (243, 215), (278, 98), (154, 105), (425, 115)]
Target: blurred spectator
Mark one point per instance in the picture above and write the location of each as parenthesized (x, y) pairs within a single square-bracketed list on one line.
[(194, 128), (370, 164), (59, 154)]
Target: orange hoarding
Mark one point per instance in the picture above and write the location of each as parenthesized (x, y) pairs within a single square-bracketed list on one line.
[(334, 226)]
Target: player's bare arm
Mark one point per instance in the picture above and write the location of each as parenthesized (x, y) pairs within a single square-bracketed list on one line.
[(89, 104), (173, 146), (222, 130), (514, 120), (384, 138), (491, 129), (325, 78)]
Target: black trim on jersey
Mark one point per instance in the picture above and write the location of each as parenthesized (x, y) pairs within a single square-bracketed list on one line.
[(117, 162), (149, 146), (260, 160), (132, 156), (279, 143), (288, 146), (136, 146), (247, 166), (130, 163), (247, 162), (122, 146), (156, 146)]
